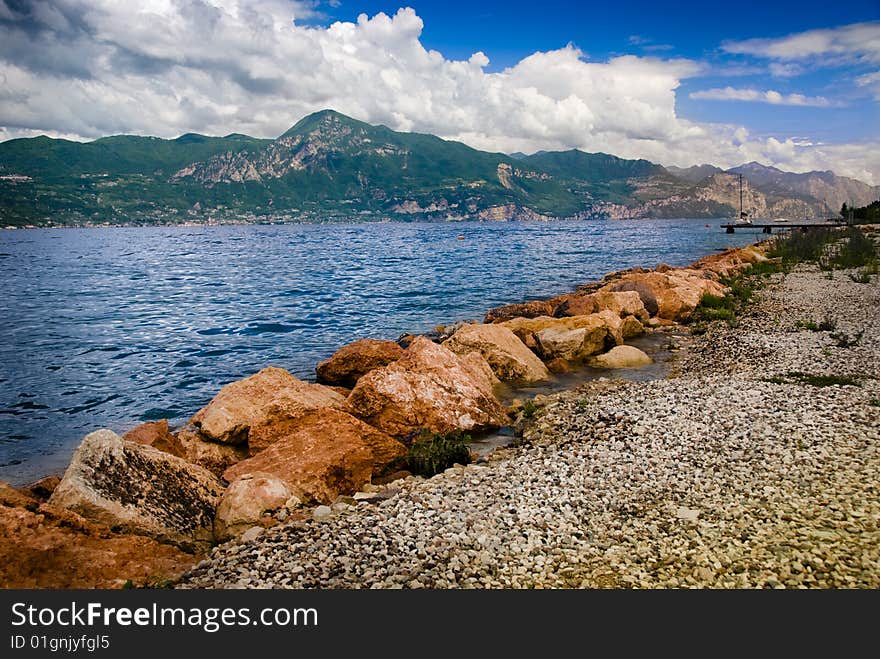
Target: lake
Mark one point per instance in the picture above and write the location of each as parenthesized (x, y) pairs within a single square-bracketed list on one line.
[(109, 327)]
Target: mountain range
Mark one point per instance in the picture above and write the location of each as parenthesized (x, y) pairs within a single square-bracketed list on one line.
[(329, 166)]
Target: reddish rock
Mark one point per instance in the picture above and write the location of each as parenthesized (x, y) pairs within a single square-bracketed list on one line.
[(576, 305), (350, 362), (559, 366), (157, 435), (429, 388), (571, 338), (249, 501), (508, 357), (672, 295), (43, 488), (323, 454), (212, 456), (531, 309), (227, 419), (48, 547)]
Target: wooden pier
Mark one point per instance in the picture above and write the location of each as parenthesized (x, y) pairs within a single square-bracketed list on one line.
[(767, 227)]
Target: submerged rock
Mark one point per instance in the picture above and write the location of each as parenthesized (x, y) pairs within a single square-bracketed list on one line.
[(139, 489), (324, 454), (429, 388), (508, 357), (227, 419), (349, 363)]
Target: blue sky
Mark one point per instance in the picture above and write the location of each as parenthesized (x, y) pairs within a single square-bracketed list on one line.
[(508, 31), (790, 84)]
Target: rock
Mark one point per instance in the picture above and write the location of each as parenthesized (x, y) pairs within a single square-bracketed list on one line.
[(50, 547), (623, 303), (531, 309), (576, 305), (230, 414), (631, 327), (601, 330), (139, 489), (429, 388), (323, 454), (43, 488), (246, 502), (578, 337), (13, 497), (321, 513), (621, 357), (212, 456), (390, 478), (157, 435), (252, 534), (687, 514), (507, 356), (350, 362), (559, 366), (672, 295)]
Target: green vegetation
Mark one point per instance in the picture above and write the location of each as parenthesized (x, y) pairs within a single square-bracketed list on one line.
[(796, 377), (829, 248), (869, 214), (827, 324), (431, 453), (875, 402), (528, 409), (741, 287)]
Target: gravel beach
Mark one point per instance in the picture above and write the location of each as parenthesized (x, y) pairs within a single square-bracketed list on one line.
[(735, 472)]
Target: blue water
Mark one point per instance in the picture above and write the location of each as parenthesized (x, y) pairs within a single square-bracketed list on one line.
[(111, 327)]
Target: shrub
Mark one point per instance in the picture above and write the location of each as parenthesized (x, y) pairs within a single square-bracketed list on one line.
[(431, 453), (528, 409)]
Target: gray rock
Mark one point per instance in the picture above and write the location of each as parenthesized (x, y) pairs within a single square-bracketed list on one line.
[(139, 489)]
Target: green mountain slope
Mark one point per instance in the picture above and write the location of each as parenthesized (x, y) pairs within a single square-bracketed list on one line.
[(329, 166)]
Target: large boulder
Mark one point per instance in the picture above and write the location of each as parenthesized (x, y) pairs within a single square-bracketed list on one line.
[(624, 303), (571, 338), (227, 419), (139, 489), (345, 367), (621, 357), (508, 357), (45, 546), (729, 261), (671, 295), (212, 456), (429, 388), (157, 435), (531, 309), (324, 454), (247, 502)]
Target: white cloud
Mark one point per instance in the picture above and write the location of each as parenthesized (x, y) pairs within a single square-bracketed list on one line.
[(92, 68), (870, 81), (754, 95), (856, 42)]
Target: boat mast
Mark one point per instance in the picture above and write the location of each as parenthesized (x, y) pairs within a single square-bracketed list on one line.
[(740, 196)]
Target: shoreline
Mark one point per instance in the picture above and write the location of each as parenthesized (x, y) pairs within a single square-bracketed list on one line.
[(301, 521), (182, 408), (720, 478)]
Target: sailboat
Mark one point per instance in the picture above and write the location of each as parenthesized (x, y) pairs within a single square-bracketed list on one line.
[(743, 218)]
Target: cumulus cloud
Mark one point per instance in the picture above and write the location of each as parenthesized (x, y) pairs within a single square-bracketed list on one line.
[(164, 67), (754, 95), (857, 42)]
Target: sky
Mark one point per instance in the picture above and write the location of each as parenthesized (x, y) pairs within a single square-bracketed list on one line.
[(790, 84)]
